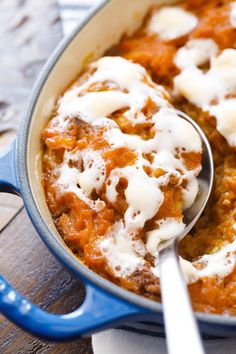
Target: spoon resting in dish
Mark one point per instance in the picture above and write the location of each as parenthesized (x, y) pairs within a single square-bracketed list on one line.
[(180, 325)]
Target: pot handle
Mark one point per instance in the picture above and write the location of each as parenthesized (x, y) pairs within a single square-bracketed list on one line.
[(98, 311), (8, 178)]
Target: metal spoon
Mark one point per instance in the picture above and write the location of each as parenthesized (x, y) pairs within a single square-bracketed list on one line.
[(180, 324)]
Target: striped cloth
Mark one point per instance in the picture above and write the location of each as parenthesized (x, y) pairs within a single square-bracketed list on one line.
[(131, 338)]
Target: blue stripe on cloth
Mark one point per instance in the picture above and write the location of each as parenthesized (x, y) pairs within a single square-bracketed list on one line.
[(149, 328), (75, 6), (143, 331)]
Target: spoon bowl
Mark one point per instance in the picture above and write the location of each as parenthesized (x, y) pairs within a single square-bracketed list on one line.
[(180, 324), (205, 182)]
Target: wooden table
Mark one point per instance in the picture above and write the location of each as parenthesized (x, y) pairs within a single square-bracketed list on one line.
[(29, 30)]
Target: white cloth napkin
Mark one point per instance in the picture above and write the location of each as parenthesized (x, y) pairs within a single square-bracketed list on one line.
[(132, 338), (114, 341)]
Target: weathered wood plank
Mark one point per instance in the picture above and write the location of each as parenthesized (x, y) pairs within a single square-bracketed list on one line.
[(29, 266), (29, 31)]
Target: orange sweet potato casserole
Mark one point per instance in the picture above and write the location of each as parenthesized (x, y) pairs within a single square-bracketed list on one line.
[(120, 165)]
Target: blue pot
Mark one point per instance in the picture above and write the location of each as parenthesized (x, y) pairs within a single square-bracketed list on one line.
[(106, 305)]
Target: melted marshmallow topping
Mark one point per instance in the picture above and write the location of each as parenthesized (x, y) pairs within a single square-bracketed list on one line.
[(209, 90), (167, 228), (225, 113), (84, 171), (196, 52), (82, 181), (172, 22), (218, 264), (95, 107), (124, 255)]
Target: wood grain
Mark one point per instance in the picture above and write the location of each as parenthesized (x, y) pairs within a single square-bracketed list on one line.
[(30, 267), (29, 31)]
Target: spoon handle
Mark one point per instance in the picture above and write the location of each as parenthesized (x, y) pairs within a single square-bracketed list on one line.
[(180, 324)]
